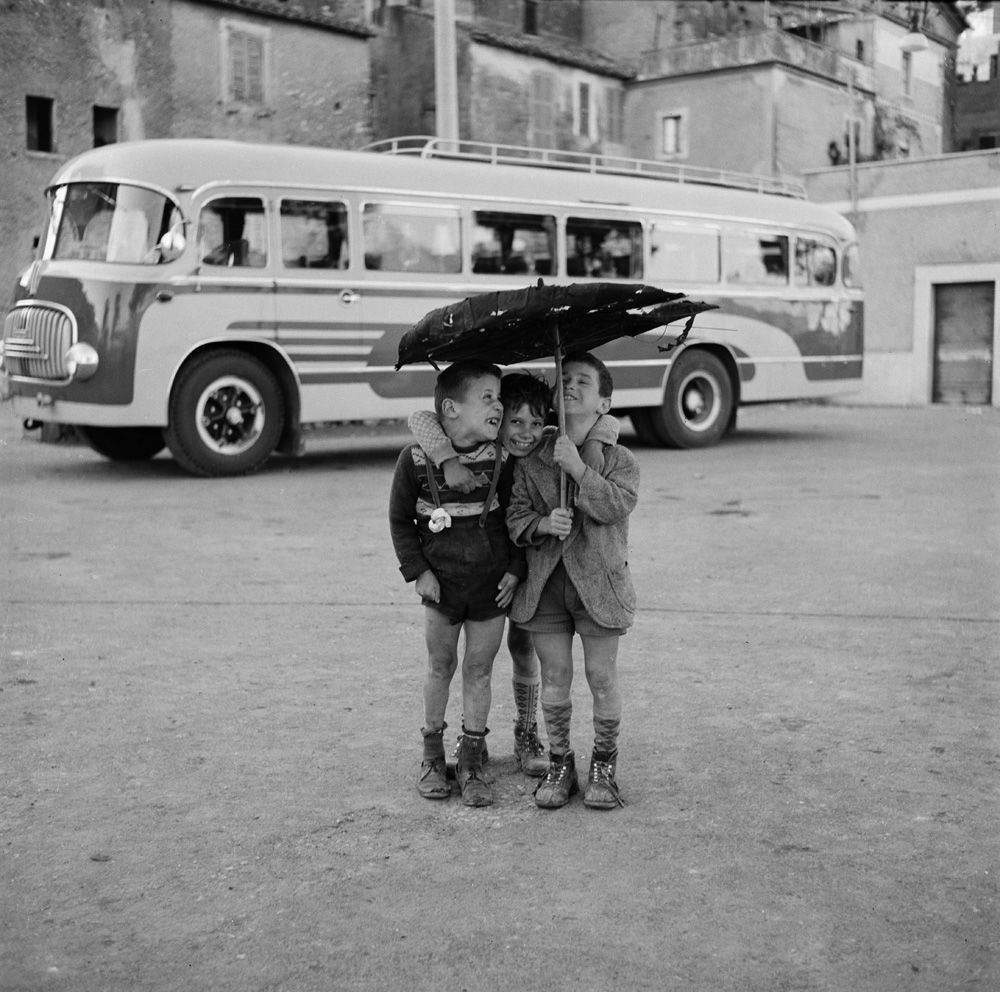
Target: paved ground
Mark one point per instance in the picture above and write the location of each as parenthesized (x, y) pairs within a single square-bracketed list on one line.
[(209, 704)]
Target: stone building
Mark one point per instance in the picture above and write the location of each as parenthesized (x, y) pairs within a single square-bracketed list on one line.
[(79, 73), (858, 97)]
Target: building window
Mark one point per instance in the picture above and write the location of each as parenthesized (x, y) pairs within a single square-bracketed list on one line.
[(583, 114), (105, 126), (245, 60), (38, 118), (616, 116), (531, 16), (988, 141), (672, 135), (542, 110)]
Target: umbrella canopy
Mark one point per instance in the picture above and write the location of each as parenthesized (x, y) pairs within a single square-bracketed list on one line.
[(518, 325)]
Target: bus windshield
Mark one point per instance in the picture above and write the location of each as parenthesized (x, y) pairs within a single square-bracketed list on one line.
[(108, 222)]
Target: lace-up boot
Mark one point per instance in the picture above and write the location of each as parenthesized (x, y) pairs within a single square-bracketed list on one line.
[(559, 783), (476, 790), (602, 789), (529, 752), (433, 781)]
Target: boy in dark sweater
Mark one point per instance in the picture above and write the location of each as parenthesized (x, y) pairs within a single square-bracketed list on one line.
[(455, 547)]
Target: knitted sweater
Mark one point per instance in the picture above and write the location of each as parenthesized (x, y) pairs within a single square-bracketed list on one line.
[(411, 503)]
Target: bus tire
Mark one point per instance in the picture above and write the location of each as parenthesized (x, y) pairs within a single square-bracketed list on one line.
[(698, 402), (226, 414), (642, 424), (124, 444)]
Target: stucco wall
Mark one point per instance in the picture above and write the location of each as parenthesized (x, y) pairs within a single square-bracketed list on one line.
[(729, 119), (914, 218), (319, 81)]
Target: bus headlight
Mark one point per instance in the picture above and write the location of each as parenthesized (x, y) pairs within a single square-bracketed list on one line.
[(80, 361)]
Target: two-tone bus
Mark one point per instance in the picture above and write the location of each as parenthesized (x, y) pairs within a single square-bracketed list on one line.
[(217, 297)]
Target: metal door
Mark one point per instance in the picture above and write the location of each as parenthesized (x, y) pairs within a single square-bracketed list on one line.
[(963, 343)]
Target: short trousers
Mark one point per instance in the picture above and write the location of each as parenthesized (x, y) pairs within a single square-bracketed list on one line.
[(465, 563), (561, 611)]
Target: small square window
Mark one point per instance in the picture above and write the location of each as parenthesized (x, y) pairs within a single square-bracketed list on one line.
[(105, 126), (38, 118)]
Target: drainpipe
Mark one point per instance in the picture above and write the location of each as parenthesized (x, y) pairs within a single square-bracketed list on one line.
[(445, 70)]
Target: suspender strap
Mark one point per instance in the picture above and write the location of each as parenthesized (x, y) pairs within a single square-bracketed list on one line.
[(494, 483)]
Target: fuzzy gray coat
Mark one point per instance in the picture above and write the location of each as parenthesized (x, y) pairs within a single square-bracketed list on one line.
[(595, 555)]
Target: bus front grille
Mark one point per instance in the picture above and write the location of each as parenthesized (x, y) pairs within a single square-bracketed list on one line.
[(36, 336)]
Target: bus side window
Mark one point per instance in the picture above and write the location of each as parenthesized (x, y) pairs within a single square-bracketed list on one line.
[(313, 234), (678, 254), (755, 259), (605, 249), (231, 232), (815, 263), (412, 238), (513, 244)]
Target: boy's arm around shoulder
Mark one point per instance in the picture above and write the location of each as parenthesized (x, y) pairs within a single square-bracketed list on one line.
[(612, 496), (402, 517), (426, 428), (606, 430)]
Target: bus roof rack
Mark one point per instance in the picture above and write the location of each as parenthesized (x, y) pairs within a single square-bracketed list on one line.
[(427, 146)]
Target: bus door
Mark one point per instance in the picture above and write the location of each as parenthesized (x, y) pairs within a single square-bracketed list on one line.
[(232, 282), (319, 300)]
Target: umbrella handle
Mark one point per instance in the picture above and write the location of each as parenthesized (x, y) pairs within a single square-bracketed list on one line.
[(560, 409)]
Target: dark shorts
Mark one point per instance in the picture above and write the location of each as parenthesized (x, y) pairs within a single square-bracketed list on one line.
[(469, 562), (561, 611)]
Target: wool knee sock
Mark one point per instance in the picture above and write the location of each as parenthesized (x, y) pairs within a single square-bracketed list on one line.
[(526, 702), (606, 735), (557, 719)]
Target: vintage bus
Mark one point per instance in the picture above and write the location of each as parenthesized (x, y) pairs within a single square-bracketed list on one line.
[(218, 297)]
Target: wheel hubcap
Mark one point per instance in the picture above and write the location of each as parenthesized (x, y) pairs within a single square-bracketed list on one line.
[(700, 401), (231, 415)]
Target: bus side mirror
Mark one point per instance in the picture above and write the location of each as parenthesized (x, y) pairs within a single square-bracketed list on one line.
[(172, 245)]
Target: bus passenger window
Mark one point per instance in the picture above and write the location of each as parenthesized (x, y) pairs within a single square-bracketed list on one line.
[(679, 254), (313, 234), (514, 244), (605, 249), (755, 259), (815, 263), (412, 238), (231, 232)]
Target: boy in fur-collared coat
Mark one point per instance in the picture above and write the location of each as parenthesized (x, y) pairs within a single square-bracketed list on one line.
[(578, 580)]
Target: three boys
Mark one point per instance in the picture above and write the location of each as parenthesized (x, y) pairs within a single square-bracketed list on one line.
[(578, 577)]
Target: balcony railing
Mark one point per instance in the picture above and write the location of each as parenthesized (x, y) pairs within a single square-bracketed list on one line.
[(756, 48)]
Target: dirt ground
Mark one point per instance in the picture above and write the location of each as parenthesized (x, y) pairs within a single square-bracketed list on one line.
[(210, 702)]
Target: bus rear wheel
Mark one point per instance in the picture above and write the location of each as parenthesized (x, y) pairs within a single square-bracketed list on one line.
[(697, 405), (226, 415), (124, 444)]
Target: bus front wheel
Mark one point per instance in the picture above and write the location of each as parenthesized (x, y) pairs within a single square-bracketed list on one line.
[(698, 402), (124, 444), (226, 415)]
